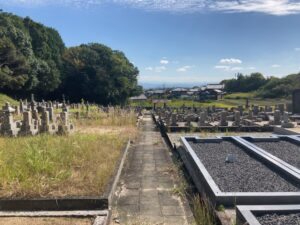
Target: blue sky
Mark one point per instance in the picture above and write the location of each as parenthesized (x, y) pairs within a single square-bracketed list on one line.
[(180, 41)]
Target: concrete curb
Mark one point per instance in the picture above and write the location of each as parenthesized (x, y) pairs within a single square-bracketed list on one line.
[(245, 214), (207, 186)]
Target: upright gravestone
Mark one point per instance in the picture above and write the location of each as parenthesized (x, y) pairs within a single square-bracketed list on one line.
[(8, 126), (277, 115), (247, 103), (296, 101), (255, 110), (237, 118), (202, 119), (223, 119), (281, 108)]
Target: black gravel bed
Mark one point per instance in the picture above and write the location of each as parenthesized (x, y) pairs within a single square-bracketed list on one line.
[(284, 150), (245, 175), (279, 219)]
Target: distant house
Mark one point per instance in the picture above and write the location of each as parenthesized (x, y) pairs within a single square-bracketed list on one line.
[(139, 98), (178, 92), (157, 93), (212, 92), (215, 87)]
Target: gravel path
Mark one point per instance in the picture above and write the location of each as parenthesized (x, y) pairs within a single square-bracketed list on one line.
[(244, 175), (284, 150), (275, 219)]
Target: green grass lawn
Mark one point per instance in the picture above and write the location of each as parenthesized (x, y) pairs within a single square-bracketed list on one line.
[(230, 100), (4, 98), (241, 95)]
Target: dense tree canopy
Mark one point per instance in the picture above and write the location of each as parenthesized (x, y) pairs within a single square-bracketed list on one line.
[(30, 55), (277, 87), (97, 72), (34, 59), (244, 83), (271, 87)]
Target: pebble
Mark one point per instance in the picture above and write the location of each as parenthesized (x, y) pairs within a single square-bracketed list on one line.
[(245, 175)]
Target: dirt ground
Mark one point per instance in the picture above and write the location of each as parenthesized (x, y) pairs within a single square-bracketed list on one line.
[(45, 221)]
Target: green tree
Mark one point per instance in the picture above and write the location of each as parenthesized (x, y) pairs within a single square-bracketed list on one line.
[(97, 73)]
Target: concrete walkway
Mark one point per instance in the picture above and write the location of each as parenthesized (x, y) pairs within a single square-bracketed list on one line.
[(145, 193)]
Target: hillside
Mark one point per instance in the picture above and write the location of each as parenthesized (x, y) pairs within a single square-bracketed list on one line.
[(260, 86), (4, 98)]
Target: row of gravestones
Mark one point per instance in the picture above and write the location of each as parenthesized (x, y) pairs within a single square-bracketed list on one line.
[(221, 117), (37, 118)]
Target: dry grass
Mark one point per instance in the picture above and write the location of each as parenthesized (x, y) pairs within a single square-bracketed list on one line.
[(203, 211), (45, 221), (97, 117), (57, 166)]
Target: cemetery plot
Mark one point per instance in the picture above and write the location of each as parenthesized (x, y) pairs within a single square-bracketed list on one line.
[(243, 174), (56, 166), (59, 156), (50, 157), (175, 136), (228, 172), (283, 148), (212, 119), (268, 215)]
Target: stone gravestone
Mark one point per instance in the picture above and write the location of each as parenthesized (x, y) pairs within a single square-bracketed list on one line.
[(286, 122), (8, 126), (277, 115), (237, 118), (223, 119), (296, 102)]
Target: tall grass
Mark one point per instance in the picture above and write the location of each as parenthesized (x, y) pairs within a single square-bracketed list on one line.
[(203, 211), (46, 165), (113, 117)]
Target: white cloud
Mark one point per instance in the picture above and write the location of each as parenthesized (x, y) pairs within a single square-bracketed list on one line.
[(149, 68), (183, 69), (275, 66), (272, 7), (237, 68), (231, 61), (226, 68), (297, 49), (159, 69), (164, 61)]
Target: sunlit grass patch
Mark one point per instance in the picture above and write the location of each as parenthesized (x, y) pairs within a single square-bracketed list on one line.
[(96, 117), (4, 98), (46, 165)]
